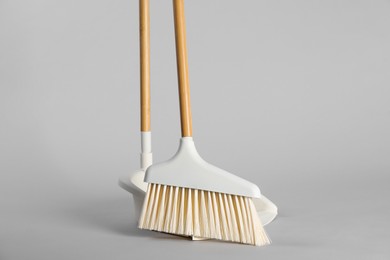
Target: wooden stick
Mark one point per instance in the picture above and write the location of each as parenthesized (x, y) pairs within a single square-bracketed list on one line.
[(182, 68), (144, 32)]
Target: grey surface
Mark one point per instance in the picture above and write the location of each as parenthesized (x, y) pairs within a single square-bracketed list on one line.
[(292, 95)]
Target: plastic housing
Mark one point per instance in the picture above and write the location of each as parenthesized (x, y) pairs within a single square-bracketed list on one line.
[(187, 169)]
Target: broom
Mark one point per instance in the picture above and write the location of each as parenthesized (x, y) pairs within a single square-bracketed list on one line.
[(188, 196)]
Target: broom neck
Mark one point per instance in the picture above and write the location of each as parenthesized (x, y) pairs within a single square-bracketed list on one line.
[(182, 68)]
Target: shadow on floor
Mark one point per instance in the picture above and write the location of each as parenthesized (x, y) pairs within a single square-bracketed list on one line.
[(112, 214)]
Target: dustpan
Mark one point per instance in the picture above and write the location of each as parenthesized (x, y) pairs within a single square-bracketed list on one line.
[(135, 185)]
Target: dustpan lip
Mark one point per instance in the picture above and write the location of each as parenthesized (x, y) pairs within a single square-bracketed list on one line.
[(128, 183)]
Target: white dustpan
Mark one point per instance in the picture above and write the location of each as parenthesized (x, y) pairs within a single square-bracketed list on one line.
[(134, 184)]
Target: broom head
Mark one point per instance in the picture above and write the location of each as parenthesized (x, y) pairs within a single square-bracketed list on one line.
[(187, 196)]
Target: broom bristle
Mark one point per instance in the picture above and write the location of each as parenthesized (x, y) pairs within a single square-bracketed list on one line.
[(199, 213)]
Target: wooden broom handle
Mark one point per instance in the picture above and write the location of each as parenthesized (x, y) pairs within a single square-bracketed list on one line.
[(144, 32), (182, 68)]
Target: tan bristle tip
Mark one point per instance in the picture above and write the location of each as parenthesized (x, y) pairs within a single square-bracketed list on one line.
[(200, 213)]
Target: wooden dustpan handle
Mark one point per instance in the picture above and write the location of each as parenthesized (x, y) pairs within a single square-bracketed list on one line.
[(144, 32), (182, 68)]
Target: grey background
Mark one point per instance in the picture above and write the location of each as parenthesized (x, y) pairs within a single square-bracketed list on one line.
[(292, 95)]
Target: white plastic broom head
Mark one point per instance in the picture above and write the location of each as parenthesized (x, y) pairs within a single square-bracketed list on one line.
[(188, 170)]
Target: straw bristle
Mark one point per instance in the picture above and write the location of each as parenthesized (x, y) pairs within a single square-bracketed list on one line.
[(199, 213)]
